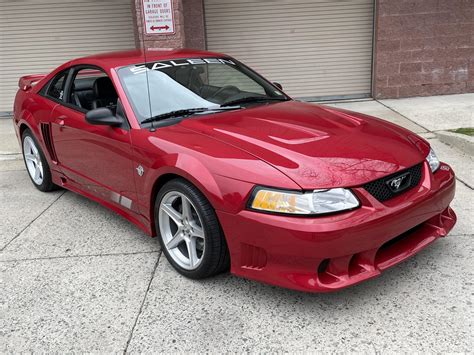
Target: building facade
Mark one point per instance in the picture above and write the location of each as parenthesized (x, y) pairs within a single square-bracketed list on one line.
[(317, 49)]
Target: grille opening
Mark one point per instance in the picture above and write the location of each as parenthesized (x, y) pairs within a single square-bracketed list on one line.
[(380, 190), (386, 248)]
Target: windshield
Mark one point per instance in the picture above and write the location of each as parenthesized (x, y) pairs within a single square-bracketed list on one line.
[(158, 88)]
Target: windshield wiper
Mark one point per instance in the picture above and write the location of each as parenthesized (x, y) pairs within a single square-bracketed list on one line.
[(253, 99), (185, 112)]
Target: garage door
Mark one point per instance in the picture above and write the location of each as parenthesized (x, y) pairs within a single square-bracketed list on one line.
[(37, 36), (314, 48)]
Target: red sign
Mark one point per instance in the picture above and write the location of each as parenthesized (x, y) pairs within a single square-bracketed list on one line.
[(158, 16)]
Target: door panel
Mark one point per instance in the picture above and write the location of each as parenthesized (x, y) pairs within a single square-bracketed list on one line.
[(98, 159)]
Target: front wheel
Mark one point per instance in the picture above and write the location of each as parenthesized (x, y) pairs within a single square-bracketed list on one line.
[(36, 163), (189, 232)]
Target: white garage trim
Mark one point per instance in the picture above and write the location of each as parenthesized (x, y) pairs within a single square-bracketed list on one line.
[(317, 49), (37, 36)]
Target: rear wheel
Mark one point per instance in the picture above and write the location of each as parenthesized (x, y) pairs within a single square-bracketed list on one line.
[(189, 232), (36, 163)]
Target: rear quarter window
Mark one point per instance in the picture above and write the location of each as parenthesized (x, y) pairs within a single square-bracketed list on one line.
[(56, 87)]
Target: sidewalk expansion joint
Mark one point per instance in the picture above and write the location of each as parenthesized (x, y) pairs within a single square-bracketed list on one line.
[(464, 183), (401, 114), (10, 156), (140, 310), (29, 224), (79, 256)]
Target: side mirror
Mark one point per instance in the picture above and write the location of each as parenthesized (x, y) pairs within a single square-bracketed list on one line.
[(103, 116), (278, 85)]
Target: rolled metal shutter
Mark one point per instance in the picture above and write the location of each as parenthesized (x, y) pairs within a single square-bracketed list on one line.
[(314, 48), (37, 36)]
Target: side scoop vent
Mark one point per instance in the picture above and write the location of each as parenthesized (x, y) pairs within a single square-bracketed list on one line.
[(48, 141), (252, 257)]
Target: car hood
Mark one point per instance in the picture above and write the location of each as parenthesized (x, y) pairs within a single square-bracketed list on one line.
[(316, 146)]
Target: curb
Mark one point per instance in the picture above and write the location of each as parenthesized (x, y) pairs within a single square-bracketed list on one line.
[(462, 142)]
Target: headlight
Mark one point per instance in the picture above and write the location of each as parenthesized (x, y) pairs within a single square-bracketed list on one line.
[(433, 160), (308, 203)]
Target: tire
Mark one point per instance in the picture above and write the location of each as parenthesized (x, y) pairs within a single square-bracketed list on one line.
[(35, 162), (209, 253)]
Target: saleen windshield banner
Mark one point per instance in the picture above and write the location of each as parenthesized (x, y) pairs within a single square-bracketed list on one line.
[(179, 63)]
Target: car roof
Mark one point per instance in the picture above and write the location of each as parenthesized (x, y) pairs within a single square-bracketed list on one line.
[(118, 59)]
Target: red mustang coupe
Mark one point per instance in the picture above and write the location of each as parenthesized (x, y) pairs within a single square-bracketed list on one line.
[(228, 171)]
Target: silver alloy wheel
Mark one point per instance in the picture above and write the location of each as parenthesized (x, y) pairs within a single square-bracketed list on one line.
[(182, 230), (33, 160)]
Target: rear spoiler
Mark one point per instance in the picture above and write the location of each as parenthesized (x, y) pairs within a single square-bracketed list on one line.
[(27, 82)]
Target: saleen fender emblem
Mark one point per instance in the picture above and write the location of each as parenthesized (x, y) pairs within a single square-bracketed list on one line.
[(400, 182), (140, 170)]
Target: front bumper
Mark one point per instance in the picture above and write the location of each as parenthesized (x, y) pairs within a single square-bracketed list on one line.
[(328, 253)]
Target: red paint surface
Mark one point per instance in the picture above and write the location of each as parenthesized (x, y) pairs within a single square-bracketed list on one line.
[(288, 145)]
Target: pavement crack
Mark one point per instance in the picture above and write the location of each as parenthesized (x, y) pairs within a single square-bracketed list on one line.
[(429, 131), (464, 183), (401, 114), (11, 170), (32, 221), (140, 310), (79, 256)]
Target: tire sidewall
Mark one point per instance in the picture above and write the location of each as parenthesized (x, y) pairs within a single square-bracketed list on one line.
[(46, 184), (208, 220)]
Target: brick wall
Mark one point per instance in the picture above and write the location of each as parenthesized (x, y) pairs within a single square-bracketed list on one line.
[(189, 26), (194, 31), (423, 47)]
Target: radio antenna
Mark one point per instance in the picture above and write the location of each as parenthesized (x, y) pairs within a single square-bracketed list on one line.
[(152, 129), (144, 50)]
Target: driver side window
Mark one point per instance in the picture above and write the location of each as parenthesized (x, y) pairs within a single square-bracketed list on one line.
[(91, 89)]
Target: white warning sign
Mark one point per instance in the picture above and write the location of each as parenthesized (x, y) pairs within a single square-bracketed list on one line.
[(158, 16)]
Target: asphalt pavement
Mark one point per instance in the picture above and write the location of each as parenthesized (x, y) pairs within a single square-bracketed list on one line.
[(76, 277)]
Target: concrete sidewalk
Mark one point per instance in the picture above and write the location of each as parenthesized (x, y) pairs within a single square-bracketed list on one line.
[(429, 117), (75, 277)]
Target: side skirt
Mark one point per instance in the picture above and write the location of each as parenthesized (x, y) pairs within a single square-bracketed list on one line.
[(139, 220)]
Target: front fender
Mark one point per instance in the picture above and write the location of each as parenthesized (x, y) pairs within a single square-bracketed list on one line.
[(191, 169), (224, 193), (223, 173)]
